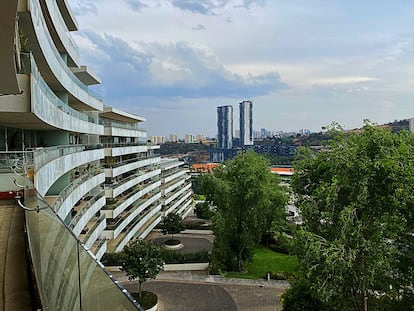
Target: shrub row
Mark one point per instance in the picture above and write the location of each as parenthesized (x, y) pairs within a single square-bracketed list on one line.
[(173, 257), (169, 257)]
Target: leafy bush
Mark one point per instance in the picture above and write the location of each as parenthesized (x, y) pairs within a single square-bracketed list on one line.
[(196, 225), (203, 210), (173, 257), (279, 275), (112, 259), (301, 297)]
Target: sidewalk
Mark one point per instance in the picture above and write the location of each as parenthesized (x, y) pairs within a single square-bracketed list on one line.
[(197, 277)]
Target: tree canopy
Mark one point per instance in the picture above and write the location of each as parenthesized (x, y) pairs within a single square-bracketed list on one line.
[(357, 203), (248, 200), (141, 259), (172, 224)]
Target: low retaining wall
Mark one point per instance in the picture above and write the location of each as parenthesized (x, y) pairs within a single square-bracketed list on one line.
[(172, 267), (186, 267)]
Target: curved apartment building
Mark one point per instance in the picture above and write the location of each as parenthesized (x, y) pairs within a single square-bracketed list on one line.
[(83, 171)]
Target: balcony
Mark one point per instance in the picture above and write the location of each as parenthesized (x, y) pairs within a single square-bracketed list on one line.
[(75, 191), (67, 276), (116, 226), (173, 195), (173, 185), (168, 164), (54, 69), (85, 211), (112, 191), (95, 227), (122, 202), (99, 248), (123, 129), (174, 176), (40, 108), (177, 204), (53, 162), (130, 165), (143, 225), (60, 33), (185, 209), (115, 150), (67, 15)]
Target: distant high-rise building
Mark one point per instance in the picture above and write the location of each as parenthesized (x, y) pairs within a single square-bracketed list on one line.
[(263, 133), (225, 127), (189, 138), (173, 138), (200, 137), (246, 123)]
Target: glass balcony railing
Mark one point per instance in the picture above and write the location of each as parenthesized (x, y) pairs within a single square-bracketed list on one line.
[(56, 64), (68, 277), (91, 230), (120, 145), (47, 154), (42, 95), (122, 125), (84, 209), (131, 161), (62, 31), (113, 224), (72, 186)]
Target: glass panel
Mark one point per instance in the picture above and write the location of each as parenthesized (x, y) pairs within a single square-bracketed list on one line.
[(67, 275)]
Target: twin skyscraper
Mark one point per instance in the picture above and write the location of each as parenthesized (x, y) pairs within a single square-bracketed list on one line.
[(225, 125)]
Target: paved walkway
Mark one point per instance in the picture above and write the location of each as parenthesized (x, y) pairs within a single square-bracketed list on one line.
[(188, 291), (14, 286)]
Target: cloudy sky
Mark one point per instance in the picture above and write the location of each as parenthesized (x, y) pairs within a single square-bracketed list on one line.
[(303, 63)]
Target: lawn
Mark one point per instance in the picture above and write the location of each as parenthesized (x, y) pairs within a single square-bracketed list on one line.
[(264, 261)]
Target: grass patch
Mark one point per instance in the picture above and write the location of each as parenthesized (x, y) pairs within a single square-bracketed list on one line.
[(265, 261)]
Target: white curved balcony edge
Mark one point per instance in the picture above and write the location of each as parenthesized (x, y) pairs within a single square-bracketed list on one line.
[(184, 207), (101, 250), (67, 15), (151, 226), (115, 191), (173, 186), (114, 213), (46, 175), (131, 217), (97, 231), (116, 171), (176, 194), (138, 226), (169, 164), (174, 176), (62, 31), (78, 193), (121, 132), (92, 210), (177, 204), (117, 151), (51, 110), (56, 64)]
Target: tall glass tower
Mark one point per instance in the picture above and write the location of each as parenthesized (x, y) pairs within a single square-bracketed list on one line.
[(246, 123), (225, 127)]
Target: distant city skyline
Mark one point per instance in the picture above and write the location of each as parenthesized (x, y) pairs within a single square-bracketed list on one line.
[(303, 63)]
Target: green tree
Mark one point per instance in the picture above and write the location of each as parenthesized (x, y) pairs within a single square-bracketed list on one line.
[(141, 259), (172, 224), (357, 203), (248, 200)]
